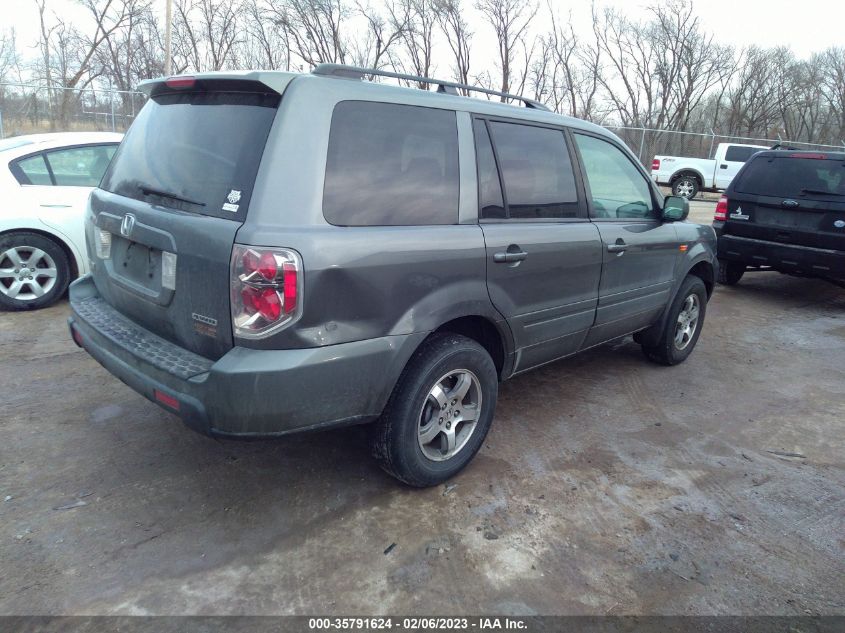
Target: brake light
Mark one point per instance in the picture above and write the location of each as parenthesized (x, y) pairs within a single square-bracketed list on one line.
[(180, 83), (721, 214), (655, 164), (266, 289), (811, 155)]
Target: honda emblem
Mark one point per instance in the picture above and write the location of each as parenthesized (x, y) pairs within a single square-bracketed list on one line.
[(127, 225)]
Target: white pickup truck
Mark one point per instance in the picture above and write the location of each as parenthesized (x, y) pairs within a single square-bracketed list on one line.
[(688, 176)]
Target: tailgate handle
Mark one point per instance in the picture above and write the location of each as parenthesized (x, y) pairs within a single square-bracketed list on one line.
[(790, 203)]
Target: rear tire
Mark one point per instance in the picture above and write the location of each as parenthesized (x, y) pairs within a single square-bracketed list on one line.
[(34, 271), (685, 186), (729, 272), (449, 388), (683, 325)]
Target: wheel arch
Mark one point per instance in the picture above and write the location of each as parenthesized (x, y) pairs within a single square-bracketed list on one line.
[(486, 333), (688, 171), (705, 271), (73, 258)]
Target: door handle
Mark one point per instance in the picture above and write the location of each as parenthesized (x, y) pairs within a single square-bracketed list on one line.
[(723, 166), (55, 206), (509, 257), (619, 247)]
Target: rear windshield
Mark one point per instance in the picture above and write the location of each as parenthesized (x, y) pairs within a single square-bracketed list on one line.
[(788, 177), (197, 152)]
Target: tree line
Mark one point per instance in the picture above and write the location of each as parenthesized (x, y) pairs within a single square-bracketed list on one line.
[(663, 70)]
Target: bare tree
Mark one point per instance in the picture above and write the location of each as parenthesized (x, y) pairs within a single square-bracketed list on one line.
[(416, 20), (564, 73), (316, 29), (660, 70), (833, 79), (206, 33), (380, 35), (10, 59), (453, 24), (265, 44), (510, 20)]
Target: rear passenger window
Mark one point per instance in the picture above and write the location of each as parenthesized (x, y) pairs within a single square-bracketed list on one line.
[(80, 166), (391, 165), (739, 154), (536, 170)]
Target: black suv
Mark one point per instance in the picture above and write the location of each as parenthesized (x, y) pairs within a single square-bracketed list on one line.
[(784, 211)]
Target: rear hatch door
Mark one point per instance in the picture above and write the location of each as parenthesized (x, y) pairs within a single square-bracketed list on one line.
[(793, 198), (171, 203)]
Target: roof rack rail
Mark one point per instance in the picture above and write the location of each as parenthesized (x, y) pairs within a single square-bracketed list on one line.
[(448, 87)]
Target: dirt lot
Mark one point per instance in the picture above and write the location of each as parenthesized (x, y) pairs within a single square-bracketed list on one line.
[(607, 485)]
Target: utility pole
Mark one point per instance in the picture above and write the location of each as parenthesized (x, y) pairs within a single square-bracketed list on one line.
[(168, 27)]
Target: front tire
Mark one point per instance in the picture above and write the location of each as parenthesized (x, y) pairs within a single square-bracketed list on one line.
[(34, 271), (683, 324), (439, 412), (729, 273), (685, 186)]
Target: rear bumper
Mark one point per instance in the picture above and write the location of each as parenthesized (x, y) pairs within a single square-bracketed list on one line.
[(247, 392), (789, 258)]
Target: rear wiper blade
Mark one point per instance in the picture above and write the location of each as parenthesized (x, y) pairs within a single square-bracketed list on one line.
[(166, 194), (823, 193)]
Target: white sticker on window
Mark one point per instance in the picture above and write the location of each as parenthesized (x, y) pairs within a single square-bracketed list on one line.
[(233, 198)]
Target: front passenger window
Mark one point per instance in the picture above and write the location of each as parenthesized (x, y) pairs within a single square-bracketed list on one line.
[(617, 187)]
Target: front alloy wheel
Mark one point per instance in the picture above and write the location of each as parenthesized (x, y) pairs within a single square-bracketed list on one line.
[(687, 323)]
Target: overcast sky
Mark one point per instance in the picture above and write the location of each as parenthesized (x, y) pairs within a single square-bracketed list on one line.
[(805, 25)]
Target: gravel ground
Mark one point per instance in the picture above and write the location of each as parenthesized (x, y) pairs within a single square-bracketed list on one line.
[(607, 485)]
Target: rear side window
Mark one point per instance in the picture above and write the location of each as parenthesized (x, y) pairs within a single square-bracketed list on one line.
[(80, 166), (32, 171), (536, 170), (788, 177), (739, 154), (197, 152), (391, 165)]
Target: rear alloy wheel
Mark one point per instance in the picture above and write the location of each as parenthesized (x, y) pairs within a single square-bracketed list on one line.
[(34, 271), (683, 324), (439, 412), (729, 273), (685, 186)]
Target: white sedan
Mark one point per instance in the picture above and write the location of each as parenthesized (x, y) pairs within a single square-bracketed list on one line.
[(45, 180)]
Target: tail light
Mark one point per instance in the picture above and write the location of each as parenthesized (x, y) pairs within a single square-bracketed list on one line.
[(266, 290), (655, 164), (721, 214)]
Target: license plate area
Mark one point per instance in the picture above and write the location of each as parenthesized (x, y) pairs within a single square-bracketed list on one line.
[(137, 263)]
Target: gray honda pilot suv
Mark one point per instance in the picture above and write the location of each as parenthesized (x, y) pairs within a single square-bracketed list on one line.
[(276, 252)]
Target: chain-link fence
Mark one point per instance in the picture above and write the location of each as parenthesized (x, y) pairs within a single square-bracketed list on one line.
[(30, 109), (647, 143)]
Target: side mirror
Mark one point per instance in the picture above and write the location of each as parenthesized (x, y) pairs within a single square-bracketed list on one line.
[(675, 209)]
